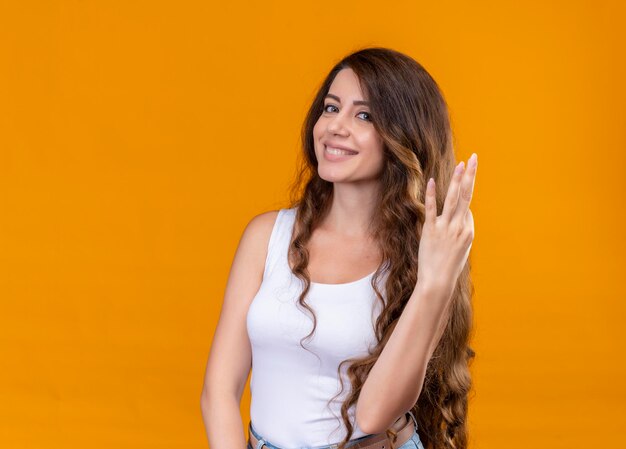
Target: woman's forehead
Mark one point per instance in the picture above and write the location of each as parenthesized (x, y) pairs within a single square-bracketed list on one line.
[(346, 87)]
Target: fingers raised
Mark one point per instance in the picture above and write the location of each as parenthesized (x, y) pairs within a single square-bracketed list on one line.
[(452, 198), (467, 188)]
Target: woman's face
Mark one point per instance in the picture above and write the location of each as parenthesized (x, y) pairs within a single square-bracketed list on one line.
[(347, 146)]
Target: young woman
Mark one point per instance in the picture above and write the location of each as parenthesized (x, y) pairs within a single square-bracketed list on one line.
[(368, 266)]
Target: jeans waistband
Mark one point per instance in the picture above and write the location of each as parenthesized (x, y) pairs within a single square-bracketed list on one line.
[(268, 444)]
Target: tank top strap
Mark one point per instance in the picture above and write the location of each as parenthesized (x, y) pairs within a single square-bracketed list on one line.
[(278, 245)]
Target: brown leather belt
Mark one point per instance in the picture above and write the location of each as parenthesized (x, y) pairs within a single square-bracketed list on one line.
[(403, 427)]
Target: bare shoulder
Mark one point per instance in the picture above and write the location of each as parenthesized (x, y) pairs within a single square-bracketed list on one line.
[(262, 223), (256, 236), (259, 228)]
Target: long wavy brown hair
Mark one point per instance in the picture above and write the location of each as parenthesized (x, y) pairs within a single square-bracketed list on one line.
[(411, 115)]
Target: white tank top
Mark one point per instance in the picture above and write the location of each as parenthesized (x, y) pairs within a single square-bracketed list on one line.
[(290, 386)]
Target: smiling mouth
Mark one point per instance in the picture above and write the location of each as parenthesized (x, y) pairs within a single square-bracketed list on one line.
[(338, 151)]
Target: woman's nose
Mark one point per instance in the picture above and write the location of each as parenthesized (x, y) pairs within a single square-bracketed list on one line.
[(337, 124)]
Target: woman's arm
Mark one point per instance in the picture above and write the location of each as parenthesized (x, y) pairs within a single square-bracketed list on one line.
[(395, 381), (230, 357)]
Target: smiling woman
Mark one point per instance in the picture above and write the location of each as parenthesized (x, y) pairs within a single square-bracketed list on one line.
[(345, 130), (363, 269)]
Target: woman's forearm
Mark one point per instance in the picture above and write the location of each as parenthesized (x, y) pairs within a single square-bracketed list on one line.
[(395, 381), (222, 422)]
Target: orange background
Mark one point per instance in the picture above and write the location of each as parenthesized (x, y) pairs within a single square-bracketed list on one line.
[(138, 138)]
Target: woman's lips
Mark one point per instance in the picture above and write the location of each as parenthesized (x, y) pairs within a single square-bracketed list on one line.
[(341, 156)]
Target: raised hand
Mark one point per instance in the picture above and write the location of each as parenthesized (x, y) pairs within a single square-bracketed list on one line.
[(446, 239)]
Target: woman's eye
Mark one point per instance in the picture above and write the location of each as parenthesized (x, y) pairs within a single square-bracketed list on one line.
[(369, 118)]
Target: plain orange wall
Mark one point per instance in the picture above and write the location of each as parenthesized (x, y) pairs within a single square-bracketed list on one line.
[(137, 138)]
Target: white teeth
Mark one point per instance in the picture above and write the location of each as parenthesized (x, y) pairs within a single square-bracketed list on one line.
[(338, 151)]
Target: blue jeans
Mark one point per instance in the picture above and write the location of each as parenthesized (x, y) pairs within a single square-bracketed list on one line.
[(412, 443)]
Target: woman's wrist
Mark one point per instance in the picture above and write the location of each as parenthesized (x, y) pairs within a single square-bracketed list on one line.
[(435, 288)]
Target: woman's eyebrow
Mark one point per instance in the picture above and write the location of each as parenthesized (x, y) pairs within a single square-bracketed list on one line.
[(354, 102)]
